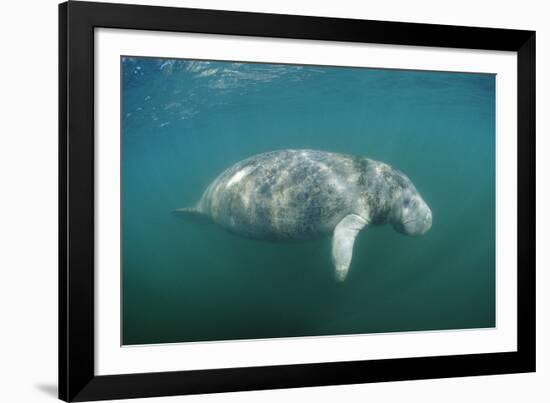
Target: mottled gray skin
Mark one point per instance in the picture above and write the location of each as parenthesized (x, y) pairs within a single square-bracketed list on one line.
[(305, 194)]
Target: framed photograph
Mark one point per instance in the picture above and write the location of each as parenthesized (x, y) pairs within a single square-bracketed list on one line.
[(257, 201)]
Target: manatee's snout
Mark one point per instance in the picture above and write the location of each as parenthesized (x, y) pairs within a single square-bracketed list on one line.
[(422, 220), (427, 221), (414, 217)]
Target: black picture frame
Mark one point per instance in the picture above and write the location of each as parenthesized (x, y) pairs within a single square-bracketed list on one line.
[(77, 379)]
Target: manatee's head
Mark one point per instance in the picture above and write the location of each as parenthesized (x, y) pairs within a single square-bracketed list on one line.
[(410, 214)]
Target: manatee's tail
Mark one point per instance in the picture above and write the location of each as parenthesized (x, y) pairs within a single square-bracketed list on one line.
[(191, 213), (185, 212)]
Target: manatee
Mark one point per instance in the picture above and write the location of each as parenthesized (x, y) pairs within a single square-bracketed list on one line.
[(292, 195)]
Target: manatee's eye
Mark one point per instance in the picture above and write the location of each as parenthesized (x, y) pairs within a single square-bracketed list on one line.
[(406, 202)]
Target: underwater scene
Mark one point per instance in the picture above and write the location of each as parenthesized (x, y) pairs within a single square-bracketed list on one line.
[(271, 200)]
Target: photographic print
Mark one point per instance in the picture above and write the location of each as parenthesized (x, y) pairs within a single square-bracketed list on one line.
[(266, 200), (252, 201)]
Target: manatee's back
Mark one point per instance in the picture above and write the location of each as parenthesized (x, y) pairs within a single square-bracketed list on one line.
[(283, 195)]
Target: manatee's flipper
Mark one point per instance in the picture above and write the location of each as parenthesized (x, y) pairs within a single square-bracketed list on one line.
[(191, 213), (342, 243)]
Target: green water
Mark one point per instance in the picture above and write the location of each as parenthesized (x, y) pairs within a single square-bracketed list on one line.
[(184, 122)]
